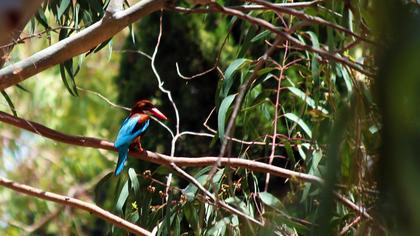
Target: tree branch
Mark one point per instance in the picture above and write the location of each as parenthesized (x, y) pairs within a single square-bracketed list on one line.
[(156, 157), (248, 8), (295, 42), (76, 203), (166, 160), (313, 19), (77, 43)]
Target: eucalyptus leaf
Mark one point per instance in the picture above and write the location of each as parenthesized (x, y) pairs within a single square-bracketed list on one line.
[(221, 115), (9, 102), (135, 185), (64, 4), (300, 122), (270, 200), (122, 198), (232, 68), (307, 99)]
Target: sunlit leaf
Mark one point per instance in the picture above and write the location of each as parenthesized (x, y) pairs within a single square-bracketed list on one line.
[(300, 122), (135, 185), (122, 198), (221, 115)]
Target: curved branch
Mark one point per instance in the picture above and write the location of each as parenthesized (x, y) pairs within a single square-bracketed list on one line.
[(156, 157), (76, 203), (167, 160), (76, 44)]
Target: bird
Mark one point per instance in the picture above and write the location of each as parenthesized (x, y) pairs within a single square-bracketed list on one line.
[(132, 129)]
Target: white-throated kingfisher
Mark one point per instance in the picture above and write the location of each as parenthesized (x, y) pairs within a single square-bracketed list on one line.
[(132, 129)]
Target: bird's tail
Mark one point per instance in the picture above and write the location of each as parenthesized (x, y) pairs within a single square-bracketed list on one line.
[(122, 158)]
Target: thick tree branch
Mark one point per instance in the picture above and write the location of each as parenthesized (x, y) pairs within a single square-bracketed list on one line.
[(78, 43), (76, 203)]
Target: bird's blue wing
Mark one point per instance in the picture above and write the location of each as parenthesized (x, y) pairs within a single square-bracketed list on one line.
[(130, 130)]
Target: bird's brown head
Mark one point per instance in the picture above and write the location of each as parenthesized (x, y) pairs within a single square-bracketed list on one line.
[(147, 107)]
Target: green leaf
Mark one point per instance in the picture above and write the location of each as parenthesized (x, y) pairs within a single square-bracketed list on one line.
[(177, 226), (307, 99), (260, 36), (219, 228), (69, 68), (314, 39), (134, 217), (64, 4), (270, 200), (9, 102), (201, 177), (238, 203), (76, 14), (135, 185), (228, 80), (64, 79), (40, 16), (191, 214), (300, 122), (122, 198), (221, 116), (316, 158)]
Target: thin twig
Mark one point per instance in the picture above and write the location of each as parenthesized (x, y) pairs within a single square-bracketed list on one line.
[(104, 98), (247, 8), (216, 63), (351, 224), (36, 35), (276, 115)]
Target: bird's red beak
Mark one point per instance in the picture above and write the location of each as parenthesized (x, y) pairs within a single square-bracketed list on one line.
[(155, 112)]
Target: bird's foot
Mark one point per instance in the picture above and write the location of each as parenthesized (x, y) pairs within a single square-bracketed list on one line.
[(136, 147)]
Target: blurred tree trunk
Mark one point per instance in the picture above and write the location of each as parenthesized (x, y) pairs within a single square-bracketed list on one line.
[(398, 85)]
